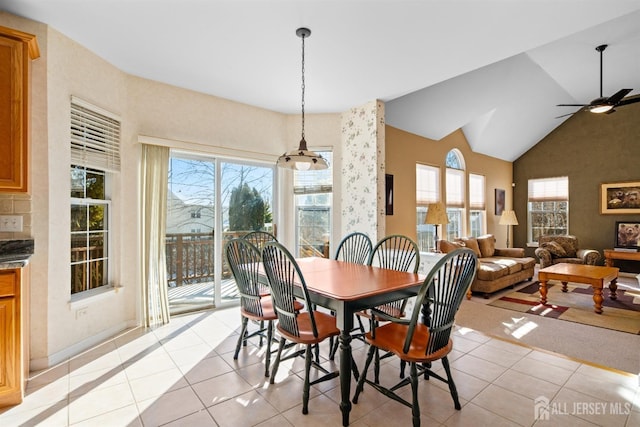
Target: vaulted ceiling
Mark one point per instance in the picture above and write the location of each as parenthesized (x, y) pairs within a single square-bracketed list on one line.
[(494, 68)]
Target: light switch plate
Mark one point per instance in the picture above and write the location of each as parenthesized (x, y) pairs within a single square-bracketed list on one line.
[(11, 223)]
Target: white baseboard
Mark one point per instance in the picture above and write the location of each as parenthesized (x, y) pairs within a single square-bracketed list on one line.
[(76, 349)]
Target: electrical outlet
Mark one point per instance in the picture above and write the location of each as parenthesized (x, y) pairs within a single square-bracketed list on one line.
[(11, 223)]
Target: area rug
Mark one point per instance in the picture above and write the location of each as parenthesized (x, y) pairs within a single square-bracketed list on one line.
[(576, 305)]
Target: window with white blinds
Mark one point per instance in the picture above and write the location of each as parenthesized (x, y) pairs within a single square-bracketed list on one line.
[(455, 188), (549, 189), (315, 181), (476, 192), (95, 137), (548, 207), (427, 184)]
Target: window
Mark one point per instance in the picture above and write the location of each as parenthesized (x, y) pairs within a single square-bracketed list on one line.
[(476, 205), (313, 201), (548, 207), (95, 156), (427, 191), (455, 190)]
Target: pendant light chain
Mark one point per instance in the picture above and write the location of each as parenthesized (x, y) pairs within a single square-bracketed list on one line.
[(302, 159), (303, 86)]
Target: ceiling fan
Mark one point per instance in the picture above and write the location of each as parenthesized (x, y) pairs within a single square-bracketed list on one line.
[(603, 104)]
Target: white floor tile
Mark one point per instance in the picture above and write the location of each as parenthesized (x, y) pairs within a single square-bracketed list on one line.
[(184, 374)]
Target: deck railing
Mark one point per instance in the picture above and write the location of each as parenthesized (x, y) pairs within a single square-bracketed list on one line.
[(190, 256)]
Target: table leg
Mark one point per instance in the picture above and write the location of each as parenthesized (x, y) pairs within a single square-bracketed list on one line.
[(345, 324), (564, 287), (597, 298), (613, 287), (543, 291)]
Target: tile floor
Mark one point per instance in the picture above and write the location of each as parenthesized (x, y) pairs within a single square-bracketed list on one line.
[(183, 374)]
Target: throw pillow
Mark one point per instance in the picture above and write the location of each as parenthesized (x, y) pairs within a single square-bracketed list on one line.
[(472, 244), (487, 244), (555, 249), (446, 246)]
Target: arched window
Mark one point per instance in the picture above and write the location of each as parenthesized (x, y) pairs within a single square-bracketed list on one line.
[(455, 160)]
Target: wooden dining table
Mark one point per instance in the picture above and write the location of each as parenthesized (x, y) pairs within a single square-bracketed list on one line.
[(347, 288)]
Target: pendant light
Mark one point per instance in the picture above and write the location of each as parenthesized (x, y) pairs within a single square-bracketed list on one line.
[(302, 159)]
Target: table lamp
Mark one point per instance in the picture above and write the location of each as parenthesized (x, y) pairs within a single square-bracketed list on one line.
[(508, 218), (436, 215)]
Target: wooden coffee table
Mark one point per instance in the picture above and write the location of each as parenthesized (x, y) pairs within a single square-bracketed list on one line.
[(593, 275)]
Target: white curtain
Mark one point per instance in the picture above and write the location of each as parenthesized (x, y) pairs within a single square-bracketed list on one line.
[(155, 171)]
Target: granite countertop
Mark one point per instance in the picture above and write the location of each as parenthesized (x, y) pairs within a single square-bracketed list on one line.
[(15, 253)]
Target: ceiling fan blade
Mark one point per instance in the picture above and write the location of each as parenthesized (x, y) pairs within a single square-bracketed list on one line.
[(629, 101), (572, 105), (617, 97)]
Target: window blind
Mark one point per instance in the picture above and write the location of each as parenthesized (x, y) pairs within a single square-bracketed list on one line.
[(95, 137), (427, 184), (317, 181), (476, 192), (549, 189), (455, 188)]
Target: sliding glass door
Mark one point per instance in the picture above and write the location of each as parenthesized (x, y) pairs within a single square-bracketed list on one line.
[(211, 201)]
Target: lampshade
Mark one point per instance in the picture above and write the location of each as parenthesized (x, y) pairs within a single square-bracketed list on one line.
[(302, 159), (601, 108), (436, 214), (508, 218)]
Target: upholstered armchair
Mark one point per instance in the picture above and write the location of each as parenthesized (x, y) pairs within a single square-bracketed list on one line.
[(556, 249)]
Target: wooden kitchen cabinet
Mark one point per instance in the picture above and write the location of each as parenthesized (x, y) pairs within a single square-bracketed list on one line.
[(17, 49), (11, 343)]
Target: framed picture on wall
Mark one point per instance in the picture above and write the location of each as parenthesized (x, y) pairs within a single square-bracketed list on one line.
[(620, 198), (388, 193), (500, 195)]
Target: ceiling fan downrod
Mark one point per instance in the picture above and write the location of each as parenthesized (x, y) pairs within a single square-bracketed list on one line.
[(601, 49)]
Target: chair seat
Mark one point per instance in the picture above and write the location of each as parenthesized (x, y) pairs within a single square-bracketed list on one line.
[(391, 337), (268, 312), (325, 324)]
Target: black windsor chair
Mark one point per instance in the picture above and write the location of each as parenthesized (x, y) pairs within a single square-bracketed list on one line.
[(416, 343), (308, 328)]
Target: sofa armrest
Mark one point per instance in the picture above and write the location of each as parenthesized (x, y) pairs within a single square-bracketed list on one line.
[(589, 256), (544, 256), (510, 252)]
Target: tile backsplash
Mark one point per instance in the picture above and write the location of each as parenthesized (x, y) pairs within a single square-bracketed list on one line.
[(16, 204)]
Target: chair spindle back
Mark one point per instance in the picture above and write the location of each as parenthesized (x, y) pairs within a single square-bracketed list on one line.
[(244, 262), (355, 247), (445, 286), (260, 238), (282, 271)]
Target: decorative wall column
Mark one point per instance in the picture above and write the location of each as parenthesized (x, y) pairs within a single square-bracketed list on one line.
[(363, 180)]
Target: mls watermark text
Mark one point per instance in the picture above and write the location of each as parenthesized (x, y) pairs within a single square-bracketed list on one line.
[(544, 409)]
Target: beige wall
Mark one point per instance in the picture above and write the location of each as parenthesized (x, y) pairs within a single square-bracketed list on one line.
[(169, 115), (404, 150)]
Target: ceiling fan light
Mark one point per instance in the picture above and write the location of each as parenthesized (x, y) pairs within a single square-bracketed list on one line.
[(598, 109)]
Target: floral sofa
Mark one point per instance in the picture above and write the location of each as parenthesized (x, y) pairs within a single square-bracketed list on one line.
[(556, 249), (497, 268)]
